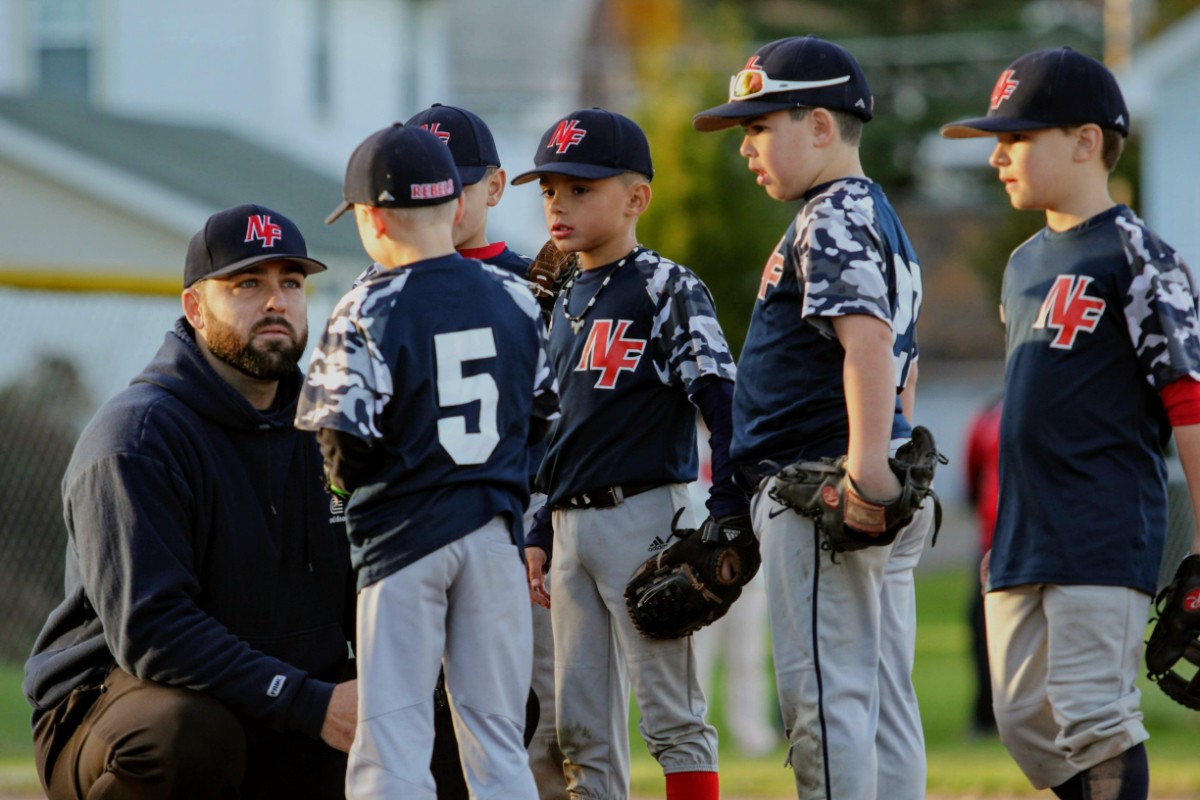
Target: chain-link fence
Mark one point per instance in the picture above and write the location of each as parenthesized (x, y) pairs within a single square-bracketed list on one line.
[(64, 353), (68, 346)]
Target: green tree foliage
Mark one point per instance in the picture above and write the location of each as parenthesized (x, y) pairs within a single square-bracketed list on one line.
[(707, 212), (928, 62)]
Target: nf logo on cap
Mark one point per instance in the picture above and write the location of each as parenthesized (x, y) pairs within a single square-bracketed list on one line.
[(471, 144), (260, 227), (591, 144), (566, 134), (436, 129), (1005, 86), (238, 238), (796, 72), (1048, 89)]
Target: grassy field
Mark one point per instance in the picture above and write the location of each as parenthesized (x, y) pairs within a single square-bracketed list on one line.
[(959, 765)]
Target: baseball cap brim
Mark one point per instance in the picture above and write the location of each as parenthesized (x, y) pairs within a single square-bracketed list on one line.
[(309, 265), (575, 170), (733, 112), (342, 208), (990, 126)]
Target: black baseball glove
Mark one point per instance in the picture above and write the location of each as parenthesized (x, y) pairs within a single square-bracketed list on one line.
[(1174, 636), (847, 521), (549, 272), (695, 580)]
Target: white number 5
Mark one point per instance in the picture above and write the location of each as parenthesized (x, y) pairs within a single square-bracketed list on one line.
[(456, 389)]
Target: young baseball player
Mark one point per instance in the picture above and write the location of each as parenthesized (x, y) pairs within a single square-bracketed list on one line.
[(428, 382), (474, 152), (1103, 360), (829, 369), (635, 343), (473, 149)]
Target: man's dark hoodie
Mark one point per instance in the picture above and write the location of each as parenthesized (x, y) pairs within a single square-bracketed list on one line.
[(203, 552)]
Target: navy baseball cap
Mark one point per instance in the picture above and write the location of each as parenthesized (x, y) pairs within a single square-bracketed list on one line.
[(591, 143), (797, 72), (240, 237), (1046, 89), (470, 142), (399, 167)]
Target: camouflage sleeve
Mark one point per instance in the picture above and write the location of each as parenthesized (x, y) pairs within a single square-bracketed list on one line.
[(841, 263), (688, 343), (348, 382), (545, 383), (1161, 307), (370, 272)]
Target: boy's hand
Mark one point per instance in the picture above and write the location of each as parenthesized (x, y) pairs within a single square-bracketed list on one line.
[(848, 517), (535, 562)]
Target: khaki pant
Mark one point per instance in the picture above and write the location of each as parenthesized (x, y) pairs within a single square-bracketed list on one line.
[(1063, 661), (127, 737)]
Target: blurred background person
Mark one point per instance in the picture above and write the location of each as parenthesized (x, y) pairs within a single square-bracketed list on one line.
[(740, 643), (983, 489)]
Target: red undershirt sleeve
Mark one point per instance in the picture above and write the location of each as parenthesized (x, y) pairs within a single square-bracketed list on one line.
[(1181, 399)]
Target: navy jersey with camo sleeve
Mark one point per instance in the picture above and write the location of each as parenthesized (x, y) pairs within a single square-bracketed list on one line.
[(844, 253), (441, 363), (1098, 320), (626, 372)]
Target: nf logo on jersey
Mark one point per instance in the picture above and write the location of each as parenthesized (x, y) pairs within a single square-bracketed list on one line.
[(772, 272), (566, 134), (610, 353), (259, 226), (436, 129), (1005, 86), (1068, 310)]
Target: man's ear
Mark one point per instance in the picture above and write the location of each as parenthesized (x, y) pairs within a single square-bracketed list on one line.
[(459, 207), (495, 189), (193, 307)]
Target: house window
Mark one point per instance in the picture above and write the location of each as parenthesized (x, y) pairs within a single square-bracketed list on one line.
[(63, 44)]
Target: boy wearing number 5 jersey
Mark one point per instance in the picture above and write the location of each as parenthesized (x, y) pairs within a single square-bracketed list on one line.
[(425, 388)]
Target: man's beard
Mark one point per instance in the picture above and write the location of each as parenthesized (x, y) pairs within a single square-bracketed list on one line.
[(270, 362)]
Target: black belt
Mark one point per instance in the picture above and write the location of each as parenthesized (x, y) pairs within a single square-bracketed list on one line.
[(749, 478), (607, 497)]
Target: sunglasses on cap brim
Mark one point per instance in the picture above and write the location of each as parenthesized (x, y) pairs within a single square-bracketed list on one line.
[(751, 83)]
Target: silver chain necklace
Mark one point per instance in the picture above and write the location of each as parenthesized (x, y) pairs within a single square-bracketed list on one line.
[(577, 321)]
